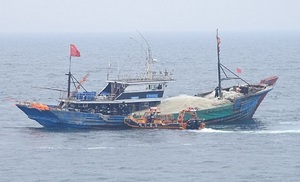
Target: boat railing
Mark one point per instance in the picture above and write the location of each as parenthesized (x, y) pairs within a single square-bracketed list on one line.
[(104, 98), (142, 78), (62, 95), (96, 98)]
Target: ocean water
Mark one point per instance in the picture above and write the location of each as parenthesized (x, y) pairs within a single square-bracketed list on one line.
[(263, 149)]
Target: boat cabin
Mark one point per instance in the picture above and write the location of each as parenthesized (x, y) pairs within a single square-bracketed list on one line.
[(120, 90), (119, 97)]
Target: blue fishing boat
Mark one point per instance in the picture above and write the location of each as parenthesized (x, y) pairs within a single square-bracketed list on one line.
[(106, 108)]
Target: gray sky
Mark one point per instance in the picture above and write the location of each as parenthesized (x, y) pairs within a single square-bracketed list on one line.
[(148, 15)]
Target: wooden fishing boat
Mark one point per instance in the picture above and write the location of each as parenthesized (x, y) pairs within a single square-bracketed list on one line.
[(235, 103)]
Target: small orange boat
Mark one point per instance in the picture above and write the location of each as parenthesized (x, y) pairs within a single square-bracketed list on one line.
[(153, 119)]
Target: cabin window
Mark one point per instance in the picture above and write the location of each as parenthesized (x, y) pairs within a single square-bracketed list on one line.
[(146, 104), (133, 88), (152, 87), (82, 105), (159, 87)]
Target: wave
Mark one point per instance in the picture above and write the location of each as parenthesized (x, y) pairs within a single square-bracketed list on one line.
[(98, 148), (56, 148), (210, 130), (70, 148), (273, 132)]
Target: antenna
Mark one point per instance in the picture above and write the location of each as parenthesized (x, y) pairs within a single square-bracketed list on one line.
[(149, 58), (139, 45)]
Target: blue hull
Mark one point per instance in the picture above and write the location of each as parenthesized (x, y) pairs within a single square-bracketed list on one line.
[(71, 119)]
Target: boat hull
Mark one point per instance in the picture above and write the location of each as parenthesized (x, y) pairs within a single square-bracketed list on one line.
[(242, 108), (54, 118)]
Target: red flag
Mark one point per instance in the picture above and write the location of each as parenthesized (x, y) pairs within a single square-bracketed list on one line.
[(238, 70), (82, 80), (218, 40), (74, 51)]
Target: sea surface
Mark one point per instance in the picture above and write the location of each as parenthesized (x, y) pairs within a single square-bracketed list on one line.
[(266, 148)]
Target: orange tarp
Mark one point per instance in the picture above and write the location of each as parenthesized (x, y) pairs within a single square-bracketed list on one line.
[(40, 106)]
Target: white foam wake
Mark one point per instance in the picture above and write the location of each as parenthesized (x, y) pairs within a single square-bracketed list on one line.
[(96, 148), (210, 130)]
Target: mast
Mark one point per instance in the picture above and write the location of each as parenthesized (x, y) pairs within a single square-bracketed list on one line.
[(75, 53), (219, 65), (69, 79)]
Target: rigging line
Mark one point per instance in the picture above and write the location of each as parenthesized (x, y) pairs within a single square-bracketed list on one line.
[(224, 72), (77, 82), (49, 88), (139, 44), (234, 74)]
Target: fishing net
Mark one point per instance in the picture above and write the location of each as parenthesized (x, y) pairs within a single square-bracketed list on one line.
[(181, 102)]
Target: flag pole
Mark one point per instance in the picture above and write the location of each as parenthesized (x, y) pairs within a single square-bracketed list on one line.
[(73, 52), (219, 65), (69, 79)]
